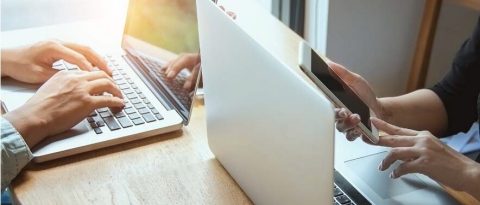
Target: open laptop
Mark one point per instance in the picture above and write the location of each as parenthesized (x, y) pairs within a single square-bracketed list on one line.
[(273, 130), (155, 31)]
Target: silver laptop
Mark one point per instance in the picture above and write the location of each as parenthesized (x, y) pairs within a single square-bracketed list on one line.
[(273, 130), (154, 32)]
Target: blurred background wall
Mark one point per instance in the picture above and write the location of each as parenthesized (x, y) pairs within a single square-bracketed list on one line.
[(375, 38)]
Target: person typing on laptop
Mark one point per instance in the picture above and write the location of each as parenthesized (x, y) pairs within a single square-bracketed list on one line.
[(451, 106), (190, 61), (63, 100)]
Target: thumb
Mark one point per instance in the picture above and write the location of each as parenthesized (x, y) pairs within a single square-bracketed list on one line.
[(348, 76), (357, 84)]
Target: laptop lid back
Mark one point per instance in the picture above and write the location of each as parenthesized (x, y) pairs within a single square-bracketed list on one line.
[(271, 130)]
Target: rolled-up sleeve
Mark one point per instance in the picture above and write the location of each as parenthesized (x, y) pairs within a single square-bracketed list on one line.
[(15, 153)]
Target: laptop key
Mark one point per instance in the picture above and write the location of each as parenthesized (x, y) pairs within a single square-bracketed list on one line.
[(128, 105), (143, 111), (103, 109), (342, 199), (337, 192), (128, 91), (141, 96), (111, 123), (97, 130), (93, 125), (159, 117), (146, 101), (92, 114), (123, 86), (117, 77), (120, 82), (150, 106), (100, 123), (135, 101), (129, 110), (89, 119), (105, 114), (139, 106), (125, 122), (119, 114), (149, 117), (138, 121), (134, 116), (138, 91), (131, 96), (154, 111)]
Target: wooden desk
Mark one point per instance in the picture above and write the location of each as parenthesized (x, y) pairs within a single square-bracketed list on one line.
[(176, 168)]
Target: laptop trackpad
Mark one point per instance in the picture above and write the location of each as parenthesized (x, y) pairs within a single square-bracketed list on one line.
[(366, 169)]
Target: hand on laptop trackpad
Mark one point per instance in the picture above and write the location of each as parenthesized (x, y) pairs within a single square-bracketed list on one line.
[(379, 181)]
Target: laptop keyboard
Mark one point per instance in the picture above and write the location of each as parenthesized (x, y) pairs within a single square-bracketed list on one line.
[(339, 197), (175, 85), (138, 109)]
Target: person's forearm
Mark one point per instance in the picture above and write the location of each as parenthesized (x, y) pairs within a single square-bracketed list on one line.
[(418, 110), (473, 179)]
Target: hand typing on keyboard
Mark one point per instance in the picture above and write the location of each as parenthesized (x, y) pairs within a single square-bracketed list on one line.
[(190, 61), (63, 101), (33, 64)]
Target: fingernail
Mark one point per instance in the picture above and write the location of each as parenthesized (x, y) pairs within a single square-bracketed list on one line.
[(351, 137), (392, 175), (356, 117), (380, 166), (342, 113), (169, 74)]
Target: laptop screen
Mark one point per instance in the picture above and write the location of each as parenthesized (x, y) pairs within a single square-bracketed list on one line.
[(156, 32), (171, 25)]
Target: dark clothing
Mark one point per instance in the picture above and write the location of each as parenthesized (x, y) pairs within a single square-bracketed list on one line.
[(459, 90)]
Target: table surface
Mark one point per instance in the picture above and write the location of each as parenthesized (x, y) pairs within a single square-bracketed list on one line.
[(174, 168)]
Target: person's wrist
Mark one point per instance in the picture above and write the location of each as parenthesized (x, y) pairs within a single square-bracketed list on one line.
[(12, 59), (8, 61), (472, 180), (382, 109), (32, 128)]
